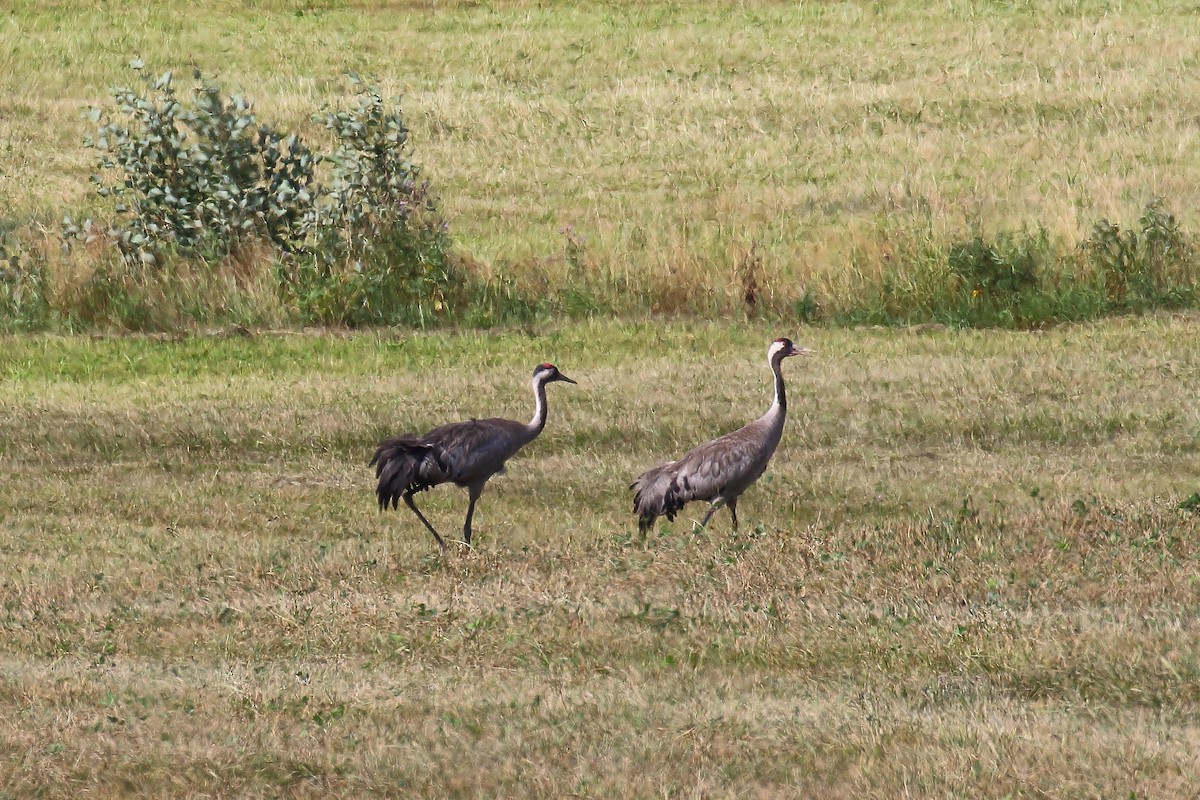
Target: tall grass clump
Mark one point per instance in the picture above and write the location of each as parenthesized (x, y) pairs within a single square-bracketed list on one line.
[(23, 304), (1152, 265), (973, 281), (206, 193), (1023, 279)]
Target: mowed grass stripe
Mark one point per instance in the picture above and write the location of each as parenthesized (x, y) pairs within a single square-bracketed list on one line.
[(964, 573)]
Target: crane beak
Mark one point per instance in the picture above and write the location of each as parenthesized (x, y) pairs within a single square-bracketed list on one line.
[(801, 351), (562, 377)]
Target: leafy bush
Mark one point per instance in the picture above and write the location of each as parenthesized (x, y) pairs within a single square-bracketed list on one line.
[(375, 191), (354, 233), (205, 176), (375, 251)]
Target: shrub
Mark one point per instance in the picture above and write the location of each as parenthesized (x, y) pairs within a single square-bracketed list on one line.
[(376, 250), (204, 176), (354, 233)]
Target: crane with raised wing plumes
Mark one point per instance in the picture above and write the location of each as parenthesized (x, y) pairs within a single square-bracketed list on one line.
[(718, 471), (467, 454)]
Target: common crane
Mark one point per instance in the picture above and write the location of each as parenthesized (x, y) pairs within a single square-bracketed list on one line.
[(720, 470), (463, 453)]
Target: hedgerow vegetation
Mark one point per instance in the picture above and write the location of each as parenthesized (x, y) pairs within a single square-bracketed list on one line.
[(208, 197), (803, 170)]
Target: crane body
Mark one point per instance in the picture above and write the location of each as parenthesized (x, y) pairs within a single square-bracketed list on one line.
[(466, 454), (718, 471)]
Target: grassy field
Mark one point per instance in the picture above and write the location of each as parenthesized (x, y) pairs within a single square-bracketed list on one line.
[(965, 573), (651, 151)]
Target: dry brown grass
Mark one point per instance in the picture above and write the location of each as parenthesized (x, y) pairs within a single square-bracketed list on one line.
[(671, 137), (964, 575)]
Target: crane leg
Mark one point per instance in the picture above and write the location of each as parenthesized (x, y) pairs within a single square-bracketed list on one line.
[(733, 511), (470, 513), (712, 509), (408, 501)]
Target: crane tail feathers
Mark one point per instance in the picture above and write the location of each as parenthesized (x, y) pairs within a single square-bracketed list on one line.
[(656, 494), (405, 465)]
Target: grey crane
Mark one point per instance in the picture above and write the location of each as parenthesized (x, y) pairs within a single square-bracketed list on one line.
[(720, 470), (467, 454)]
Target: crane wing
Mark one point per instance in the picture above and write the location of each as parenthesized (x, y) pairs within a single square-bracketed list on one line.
[(405, 464), (650, 490), (476, 449), (732, 461)]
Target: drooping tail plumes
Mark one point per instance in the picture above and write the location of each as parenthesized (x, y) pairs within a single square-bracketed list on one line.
[(405, 464), (656, 494)]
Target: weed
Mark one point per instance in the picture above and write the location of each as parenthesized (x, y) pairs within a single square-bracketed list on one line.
[(1148, 267), (807, 310), (996, 268), (23, 287), (749, 266)]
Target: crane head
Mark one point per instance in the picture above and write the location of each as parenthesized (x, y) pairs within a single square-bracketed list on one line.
[(548, 373), (784, 347)]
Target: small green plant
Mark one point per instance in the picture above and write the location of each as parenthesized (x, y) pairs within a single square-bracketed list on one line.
[(1115, 252), (23, 303), (374, 192), (807, 309), (1005, 266), (1152, 265)]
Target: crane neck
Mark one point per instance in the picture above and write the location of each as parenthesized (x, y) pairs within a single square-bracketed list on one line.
[(539, 409), (779, 406)]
